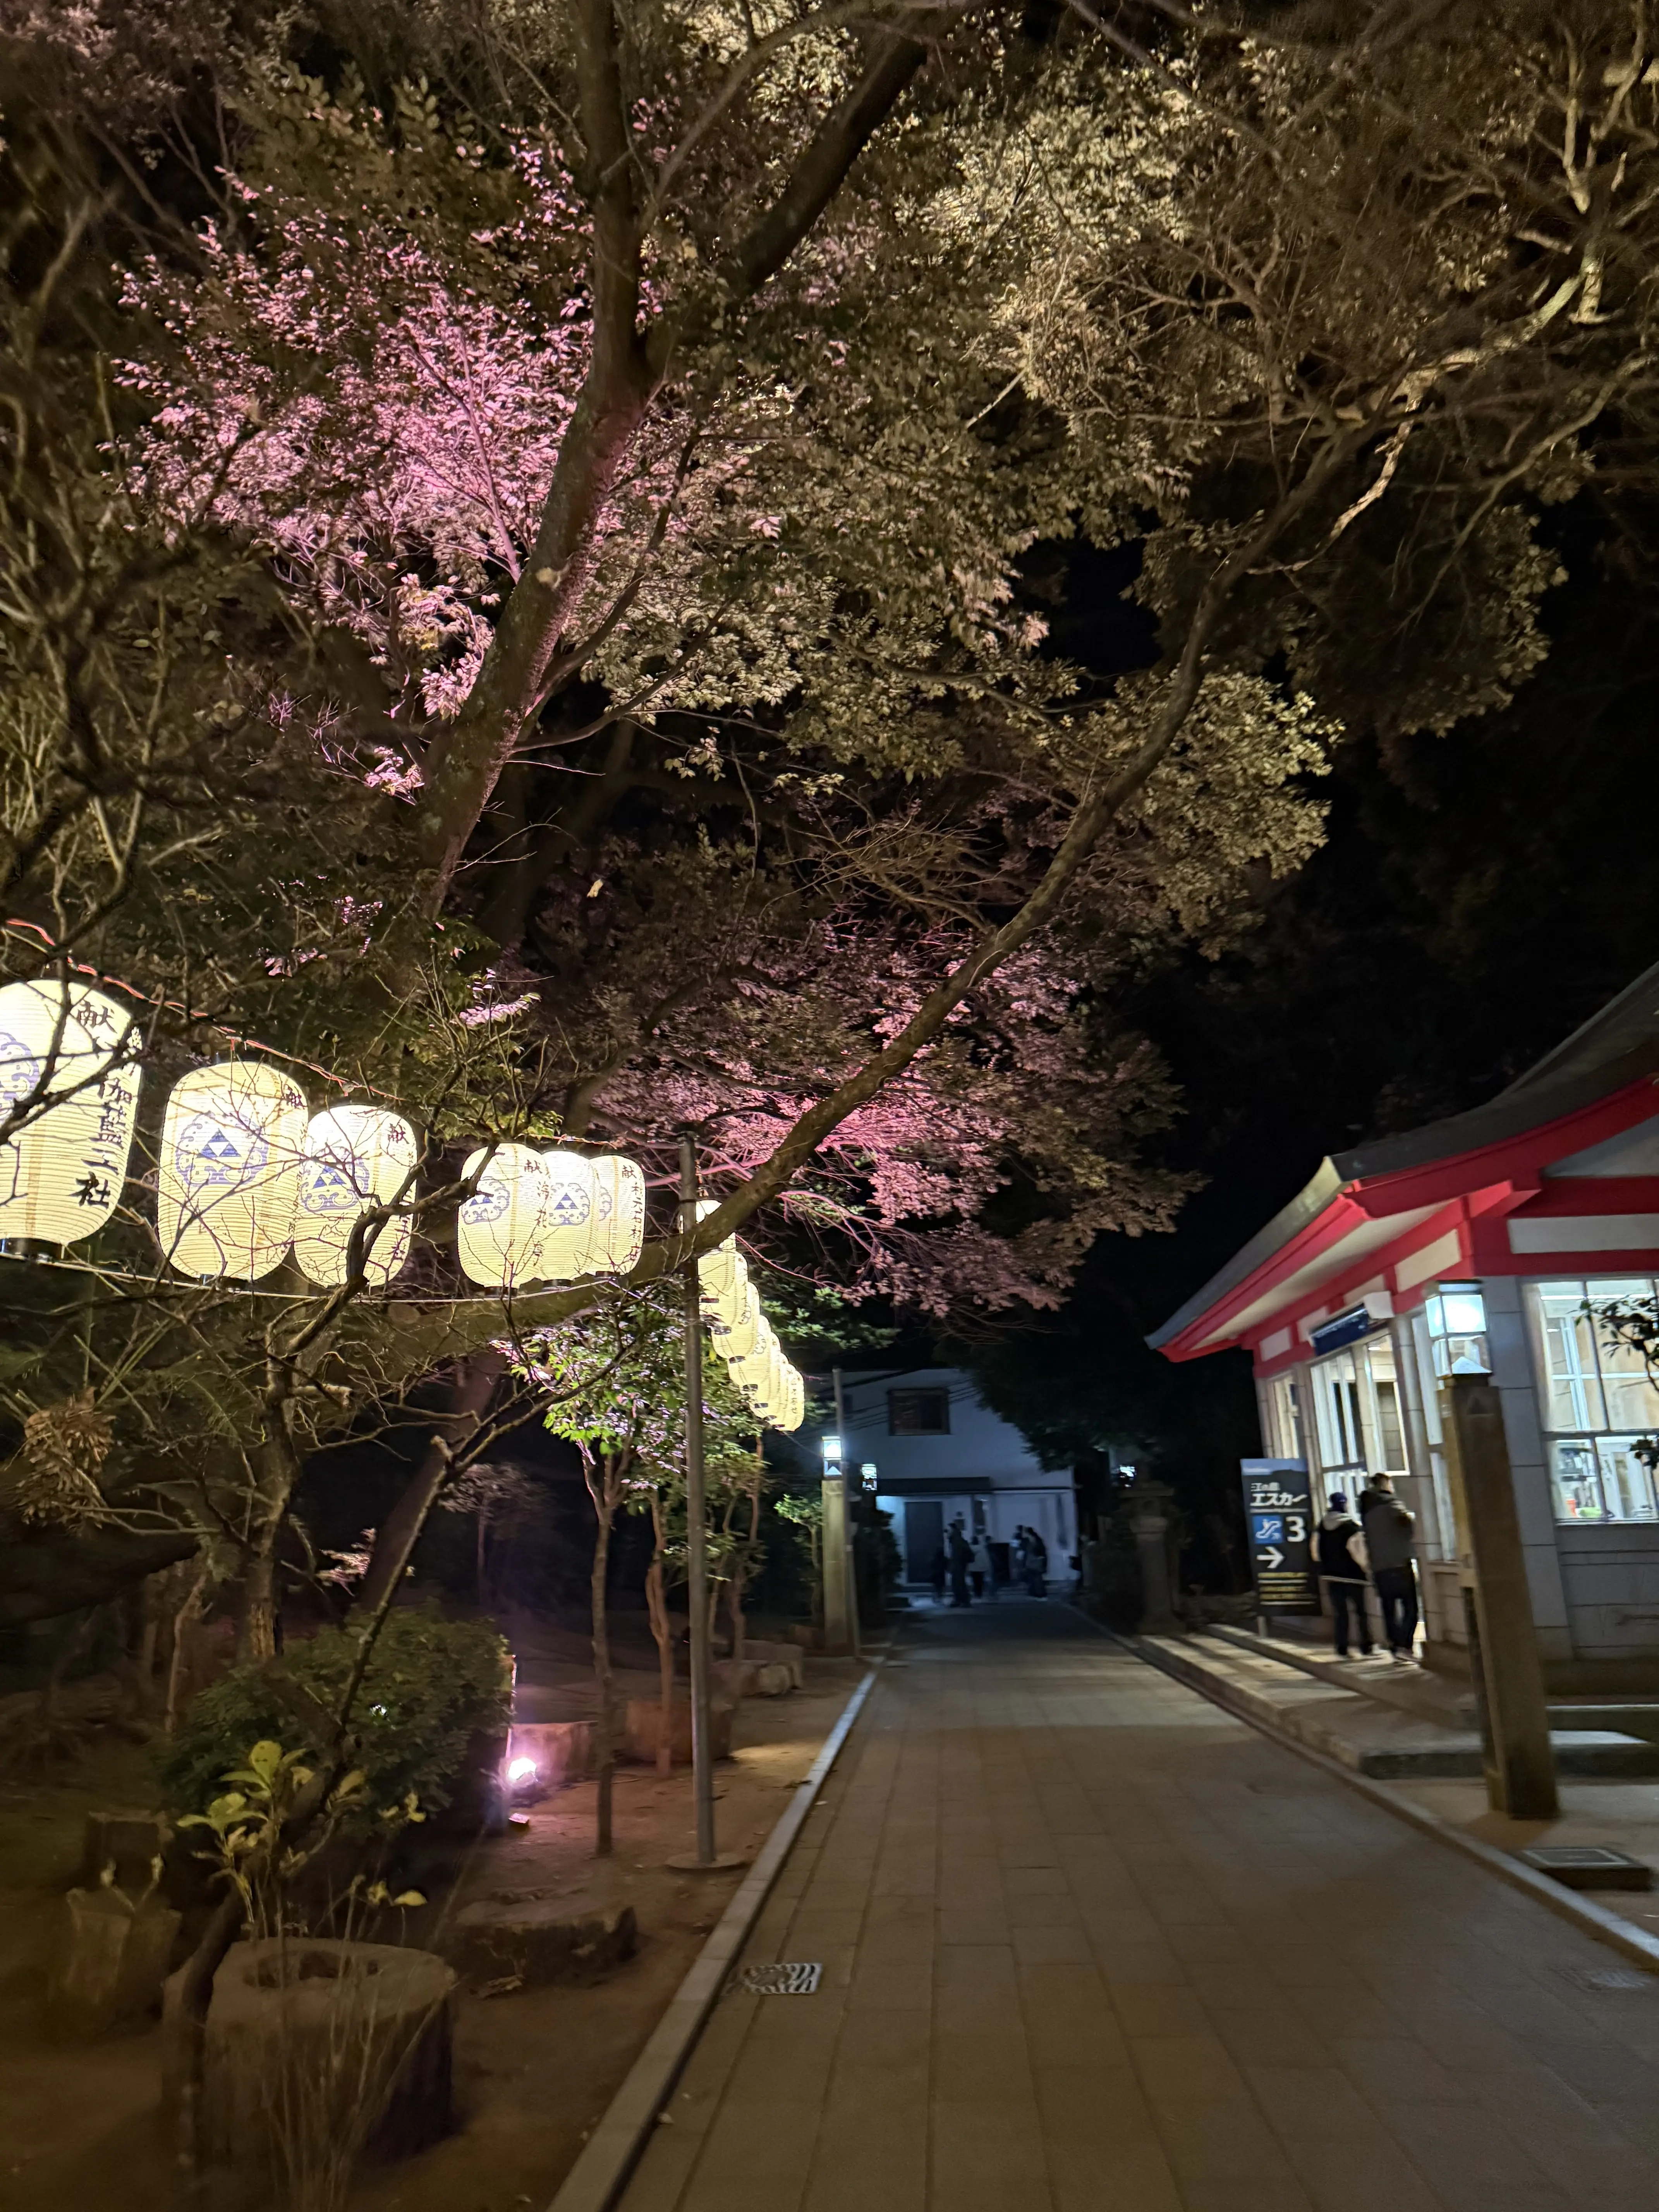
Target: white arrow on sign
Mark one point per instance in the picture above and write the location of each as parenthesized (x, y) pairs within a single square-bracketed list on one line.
[(1273, 1557)]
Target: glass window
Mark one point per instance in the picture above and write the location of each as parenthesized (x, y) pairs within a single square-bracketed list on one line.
[(1600, 1479), (1563, 1342), (918, 1412), (1578, 1482), (1589, 1384), (1356, 1399), (1337, 1417), (1286, 1418), (1631, 1400), (1627, 1485)]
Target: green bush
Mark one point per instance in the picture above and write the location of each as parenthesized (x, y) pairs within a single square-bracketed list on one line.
[(431, 1686)]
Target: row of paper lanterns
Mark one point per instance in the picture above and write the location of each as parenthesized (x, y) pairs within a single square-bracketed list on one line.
[(248, 1173), (744, 1338)]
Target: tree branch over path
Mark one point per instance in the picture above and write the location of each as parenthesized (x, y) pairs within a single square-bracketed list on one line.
[(627, 369)]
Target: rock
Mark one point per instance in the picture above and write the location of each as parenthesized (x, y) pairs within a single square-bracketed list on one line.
[(130, 1843), (320, 2050), (562, 1751), (111, 1956), (642, 1728), (782, 1655), (529, 1938)]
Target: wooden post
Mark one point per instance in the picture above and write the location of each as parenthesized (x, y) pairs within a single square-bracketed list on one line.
[(1520, 1762)]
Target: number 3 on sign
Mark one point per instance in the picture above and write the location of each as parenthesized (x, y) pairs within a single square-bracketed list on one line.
[(1295, 1527)]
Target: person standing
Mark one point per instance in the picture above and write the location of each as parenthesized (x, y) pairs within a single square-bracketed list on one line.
[(1339, 1556), (939, 1573), (981, 1570), (961, 1558), (1388, 1529), (1036, 1565)]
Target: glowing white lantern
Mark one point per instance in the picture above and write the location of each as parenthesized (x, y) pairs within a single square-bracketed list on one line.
[(795, 1400), (498, 1234), (61, 1170), (619, 1204), (570, 1229), (753, 1371), (726, 1292), (231, 1143), (355, 1156), (735, 1324)]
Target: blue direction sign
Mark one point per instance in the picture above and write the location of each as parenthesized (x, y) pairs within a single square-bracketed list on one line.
[(1279, 1507)]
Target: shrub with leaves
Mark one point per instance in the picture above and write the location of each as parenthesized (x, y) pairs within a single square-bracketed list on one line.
[(431, 1686)]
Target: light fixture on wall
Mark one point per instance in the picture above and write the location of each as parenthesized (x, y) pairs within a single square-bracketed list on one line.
[(1456, 1316)]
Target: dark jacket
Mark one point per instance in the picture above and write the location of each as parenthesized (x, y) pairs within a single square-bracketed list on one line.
[(1388, 1529), (1334, 1561)]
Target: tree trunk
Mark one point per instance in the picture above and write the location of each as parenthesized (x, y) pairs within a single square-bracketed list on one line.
[(256, 1616), (188, 1613), (662, 1627), (601, 1489), (474, 1385)]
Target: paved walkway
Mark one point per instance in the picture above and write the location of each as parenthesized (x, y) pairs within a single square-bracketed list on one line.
[(1090, 1945)]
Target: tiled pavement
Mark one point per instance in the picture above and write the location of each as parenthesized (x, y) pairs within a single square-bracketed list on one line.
[(1090, 1945)]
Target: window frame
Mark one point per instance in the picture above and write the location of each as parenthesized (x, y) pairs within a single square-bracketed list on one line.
[(1584, 1458), (938, 1392)]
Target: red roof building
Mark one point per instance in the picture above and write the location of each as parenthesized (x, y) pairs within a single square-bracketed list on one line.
[(1474, 1245)]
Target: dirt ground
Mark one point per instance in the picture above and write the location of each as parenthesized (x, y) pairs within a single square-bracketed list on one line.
[(534, 2070)]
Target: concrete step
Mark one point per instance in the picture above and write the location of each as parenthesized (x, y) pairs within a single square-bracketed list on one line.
[(1363, 1734)]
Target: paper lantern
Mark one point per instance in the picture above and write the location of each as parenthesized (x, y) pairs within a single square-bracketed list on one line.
[(571, 1230), (753, 1371), (231, 1143), (355, 1156), (724, 1290), (795, 1400), (619, 1201), (498, 1232), (735, 1324), (62, 1172)]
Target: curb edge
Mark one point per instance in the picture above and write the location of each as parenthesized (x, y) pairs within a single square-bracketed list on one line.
[(608, 2158), (1608, 1926)]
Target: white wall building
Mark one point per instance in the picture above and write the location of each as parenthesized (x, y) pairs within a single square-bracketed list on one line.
[(939, 1450)]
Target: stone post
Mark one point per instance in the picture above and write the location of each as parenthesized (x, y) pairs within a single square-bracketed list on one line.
[(1149, 1519), (1519, 1760), (835, 1551)]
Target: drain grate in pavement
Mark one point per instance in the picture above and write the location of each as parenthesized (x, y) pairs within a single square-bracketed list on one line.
[(1607, 1978), (789, 1978)]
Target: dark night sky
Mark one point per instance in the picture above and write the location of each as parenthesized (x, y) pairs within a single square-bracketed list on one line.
[(1478, 895)]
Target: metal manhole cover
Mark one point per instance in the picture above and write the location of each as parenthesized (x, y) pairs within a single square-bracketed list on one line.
[(787, 1979), (1590, 1866), (1606, 1977)]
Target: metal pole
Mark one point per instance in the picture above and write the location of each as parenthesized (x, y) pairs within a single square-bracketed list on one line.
[(696, 1548), (850, 1582)]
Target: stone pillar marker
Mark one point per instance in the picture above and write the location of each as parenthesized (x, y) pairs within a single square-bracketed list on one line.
[(1149, 1519), (835, 1552), (1519, 1760)]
